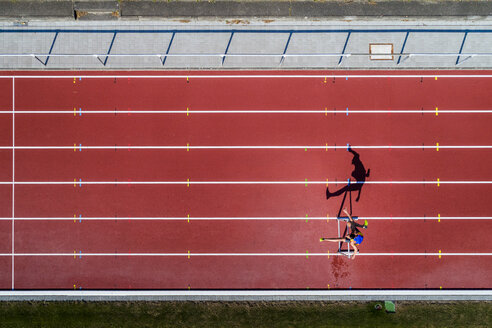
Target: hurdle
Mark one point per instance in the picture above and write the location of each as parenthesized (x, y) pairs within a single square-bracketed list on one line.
[(341, 250)]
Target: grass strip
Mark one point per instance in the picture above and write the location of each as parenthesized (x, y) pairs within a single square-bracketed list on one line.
[(243, 314)]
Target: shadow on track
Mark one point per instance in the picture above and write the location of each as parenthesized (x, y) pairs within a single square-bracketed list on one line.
[(360, 175)]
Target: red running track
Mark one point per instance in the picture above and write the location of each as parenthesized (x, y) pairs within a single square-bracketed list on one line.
[(43, 249)]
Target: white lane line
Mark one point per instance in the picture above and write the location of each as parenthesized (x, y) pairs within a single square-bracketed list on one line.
[(225, 294), (301, 218), (13, 182), (307, 111), (376, 294), (191, 147), (248, 76), (190, 182), (235, 254)]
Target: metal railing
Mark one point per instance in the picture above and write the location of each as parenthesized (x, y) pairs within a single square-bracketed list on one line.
[(222, 57)]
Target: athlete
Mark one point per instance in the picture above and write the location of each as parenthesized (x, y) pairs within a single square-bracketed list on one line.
[(354, 238), (359, 173)]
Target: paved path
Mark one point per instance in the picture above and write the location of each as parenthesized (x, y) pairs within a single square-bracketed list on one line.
[(282, 43)]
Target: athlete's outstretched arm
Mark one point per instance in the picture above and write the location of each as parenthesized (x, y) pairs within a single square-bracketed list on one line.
[(352, 151), (348, 214)]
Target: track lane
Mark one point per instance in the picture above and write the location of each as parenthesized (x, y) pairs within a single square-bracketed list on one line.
[(5, 272), (260, 129), (5, 129), (5, 236), (5, 94), (246, 165), (244, 273), (398, 236), (5, 165), (247, 201), (250, 93), (6, 201)]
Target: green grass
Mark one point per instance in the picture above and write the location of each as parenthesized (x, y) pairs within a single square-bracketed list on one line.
[(243, 314)]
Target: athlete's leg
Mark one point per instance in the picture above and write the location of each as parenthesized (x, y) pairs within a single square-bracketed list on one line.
[(336, 240), (358, 225), (353, 225), (350, 187), (336, 193), (358, 195)]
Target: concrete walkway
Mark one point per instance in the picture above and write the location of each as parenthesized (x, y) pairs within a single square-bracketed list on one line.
[(267, 44)]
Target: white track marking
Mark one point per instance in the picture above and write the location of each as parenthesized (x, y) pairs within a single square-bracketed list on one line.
[(246, 76), (13, 182), (234, 254), (227, 295), (300, 218), (431, 182), (307, 111), (191, 147)]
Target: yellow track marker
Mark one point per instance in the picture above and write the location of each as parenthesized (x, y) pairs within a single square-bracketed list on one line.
[(74, 286), (189, 287), (328, 257), (74, 147), (74, 216), (188, 184), (187, 147), (327, 218), (188, 79), (306, 218), (74, 254), (305, 180), (328, 286), (187, 111), (436, 78), (326, 148), (326, 109), (438, 182), (437, 146), (75, 182), (439, 253), (437, 113), (325, 80), (439, 217), (74, 80), (188, 218), (440, 287), (188, 254), (307, 254), (74, 111)]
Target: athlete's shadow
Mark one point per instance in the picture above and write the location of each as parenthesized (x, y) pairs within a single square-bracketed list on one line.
[(360, 175)]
